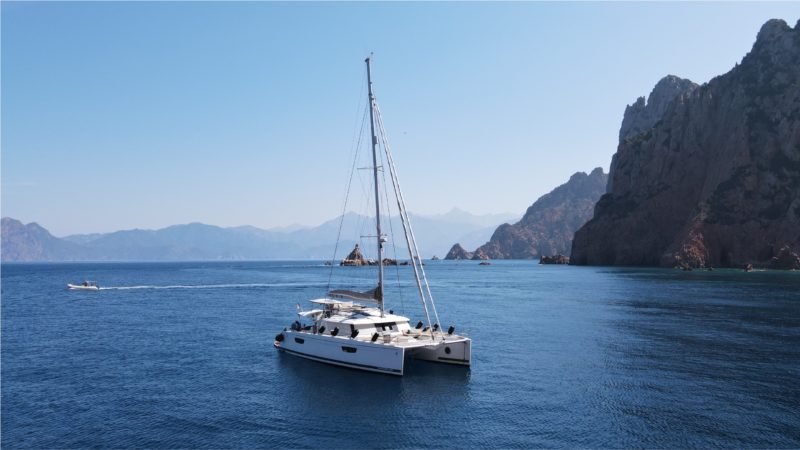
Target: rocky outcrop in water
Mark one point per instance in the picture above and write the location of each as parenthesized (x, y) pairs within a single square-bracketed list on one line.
[(458, 252), (715, 181), (549, 224), (554, 259), (355, 258), (786, 259)]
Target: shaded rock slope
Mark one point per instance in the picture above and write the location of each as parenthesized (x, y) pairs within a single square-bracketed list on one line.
[(31, 242), (548, 225), (458, 252), (714, 180)]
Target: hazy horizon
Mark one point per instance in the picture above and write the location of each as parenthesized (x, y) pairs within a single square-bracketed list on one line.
[(280, 228), (145, 115)]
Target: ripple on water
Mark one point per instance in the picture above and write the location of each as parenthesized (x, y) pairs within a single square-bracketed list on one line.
[(179, 355)]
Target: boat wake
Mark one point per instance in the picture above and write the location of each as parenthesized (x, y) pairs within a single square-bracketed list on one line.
[(210, 286)]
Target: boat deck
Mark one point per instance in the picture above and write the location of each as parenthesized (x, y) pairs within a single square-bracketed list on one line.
[(412, 340)]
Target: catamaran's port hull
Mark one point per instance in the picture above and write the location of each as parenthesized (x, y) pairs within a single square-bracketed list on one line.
[(345, 352)]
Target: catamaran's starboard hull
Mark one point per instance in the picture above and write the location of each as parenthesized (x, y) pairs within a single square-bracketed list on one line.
[(345, 352), (457, 352)]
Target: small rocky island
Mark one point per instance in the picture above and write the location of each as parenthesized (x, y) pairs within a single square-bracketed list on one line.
[(356, 258), (457, 252), (554, 259)]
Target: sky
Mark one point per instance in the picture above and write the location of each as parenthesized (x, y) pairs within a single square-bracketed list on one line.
[(148, 114)]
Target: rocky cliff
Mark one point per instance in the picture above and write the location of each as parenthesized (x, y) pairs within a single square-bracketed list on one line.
[(549, 224), (715, 179), (458, 252), (640, 116)]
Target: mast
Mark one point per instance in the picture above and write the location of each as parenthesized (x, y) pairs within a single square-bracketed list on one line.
[(381, 239)]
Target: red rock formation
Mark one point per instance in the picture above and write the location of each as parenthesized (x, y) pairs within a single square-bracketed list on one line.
[(716, 180)]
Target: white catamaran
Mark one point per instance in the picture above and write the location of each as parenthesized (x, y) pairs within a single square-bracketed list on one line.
[(342, 330)]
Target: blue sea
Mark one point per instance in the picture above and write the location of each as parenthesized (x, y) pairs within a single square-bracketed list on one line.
[(179, 355)]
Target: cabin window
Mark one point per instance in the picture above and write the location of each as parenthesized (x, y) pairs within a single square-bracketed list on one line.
[(299, 340), (348, 349)]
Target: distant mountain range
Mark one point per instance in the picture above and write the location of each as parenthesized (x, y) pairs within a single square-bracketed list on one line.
[(197, 241)]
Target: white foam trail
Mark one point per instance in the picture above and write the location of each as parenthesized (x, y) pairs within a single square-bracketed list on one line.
[(211, 286)]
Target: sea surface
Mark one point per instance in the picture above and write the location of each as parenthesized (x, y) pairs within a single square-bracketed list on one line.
[(179, 355)]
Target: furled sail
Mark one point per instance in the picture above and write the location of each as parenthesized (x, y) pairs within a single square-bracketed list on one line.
[(369, 296)]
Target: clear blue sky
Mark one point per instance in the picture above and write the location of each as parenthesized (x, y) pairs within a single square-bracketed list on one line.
[(123, 115)]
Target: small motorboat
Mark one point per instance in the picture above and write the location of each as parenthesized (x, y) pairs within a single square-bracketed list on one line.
[(85, 286)]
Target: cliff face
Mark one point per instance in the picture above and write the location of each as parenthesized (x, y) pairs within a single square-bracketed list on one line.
[(640, 116), (715, 180), (548, 225)]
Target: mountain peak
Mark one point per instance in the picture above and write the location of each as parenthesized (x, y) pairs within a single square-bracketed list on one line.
[(772, 29), (31, 242), (642, 116), (458, 252), (597, 172)]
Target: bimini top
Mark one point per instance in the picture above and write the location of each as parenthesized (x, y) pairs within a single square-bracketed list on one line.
[(310, 314), (328, 301)]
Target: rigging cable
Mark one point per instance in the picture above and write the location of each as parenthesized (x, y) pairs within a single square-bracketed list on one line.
[(391, 230), (413, 250), (356, 143), (401, 201)]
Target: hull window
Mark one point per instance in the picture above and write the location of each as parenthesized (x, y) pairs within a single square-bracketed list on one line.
[(348, 349), (299, 340)]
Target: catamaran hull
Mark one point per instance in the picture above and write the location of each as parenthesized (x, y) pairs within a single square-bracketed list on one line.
[(345, 352), (449, 352)]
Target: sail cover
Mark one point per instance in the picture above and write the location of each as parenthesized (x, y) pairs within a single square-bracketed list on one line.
[(369, 296)]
